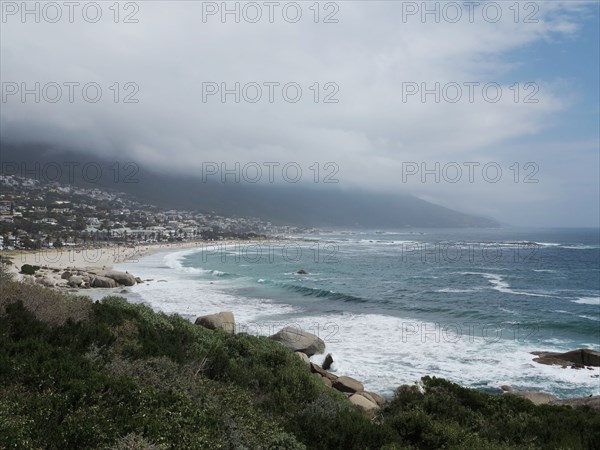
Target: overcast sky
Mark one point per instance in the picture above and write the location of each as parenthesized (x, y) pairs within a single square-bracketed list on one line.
[(369, 56)]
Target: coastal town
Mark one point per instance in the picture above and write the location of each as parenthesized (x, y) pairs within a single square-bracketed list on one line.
[(36, 214)]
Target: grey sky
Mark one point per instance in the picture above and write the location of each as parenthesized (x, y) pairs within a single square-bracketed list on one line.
[(371, 133)]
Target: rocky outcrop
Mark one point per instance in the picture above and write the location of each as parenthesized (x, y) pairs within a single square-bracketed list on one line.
[(575, 358), (315, 368), (299, 341), (351, 388), (75, 281), (326, 381), (375, 398), (45, 281), (303, 357), (327, 362), (302, 272), (103, 282), (363, 402), (592, 402), (348, 384), (223, 320), (73, 278), (122, 278), (537, 398)]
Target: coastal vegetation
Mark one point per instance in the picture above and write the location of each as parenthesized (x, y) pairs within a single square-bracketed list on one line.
[(81, 374)]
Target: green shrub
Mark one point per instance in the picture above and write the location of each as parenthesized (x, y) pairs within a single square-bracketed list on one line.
[(28, 269), (110, 374)]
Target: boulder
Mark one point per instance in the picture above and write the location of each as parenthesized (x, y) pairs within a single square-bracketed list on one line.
[(327, 362), (593, 402), (506, 388), (75, 280), (376, 398), (302, 272), (577, 358), (223, 320), (368, 396), (303, 357), (45, 281), (318, 369), (537, 398), (124, 278), (299, 341), (103, 282), (326, 381), (348, 384), (66, 275), (364, 403)]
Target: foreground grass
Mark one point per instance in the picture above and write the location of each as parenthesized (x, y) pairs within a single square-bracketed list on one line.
[(77, 374)]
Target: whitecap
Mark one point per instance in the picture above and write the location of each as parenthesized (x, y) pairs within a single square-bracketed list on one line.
[(453, 290), (588, 301)]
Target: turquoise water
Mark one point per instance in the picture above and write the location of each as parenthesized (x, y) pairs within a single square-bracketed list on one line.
[(468, 305)]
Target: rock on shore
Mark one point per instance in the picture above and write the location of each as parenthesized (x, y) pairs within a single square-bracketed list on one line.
[(78, 278), (299, 341), (348, 384), (103, 282), (592, 402), (576, 359), (362, 401), (122, 278), (223, 320), (537, 398)]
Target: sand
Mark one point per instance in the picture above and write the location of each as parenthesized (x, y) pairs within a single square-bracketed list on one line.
[(99, 259)]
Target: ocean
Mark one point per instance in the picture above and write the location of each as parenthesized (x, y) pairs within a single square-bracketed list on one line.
[(468, 305)]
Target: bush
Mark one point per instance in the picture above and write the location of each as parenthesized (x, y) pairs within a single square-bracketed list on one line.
[(110, 374), (28, 269)]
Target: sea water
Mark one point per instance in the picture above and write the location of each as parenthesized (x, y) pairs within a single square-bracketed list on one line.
[(468, 305)]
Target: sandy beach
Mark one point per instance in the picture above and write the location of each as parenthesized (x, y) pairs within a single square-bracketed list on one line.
[(101, 258), (98, 259)]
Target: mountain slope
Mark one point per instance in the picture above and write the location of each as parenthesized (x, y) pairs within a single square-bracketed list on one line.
[(287, 204)]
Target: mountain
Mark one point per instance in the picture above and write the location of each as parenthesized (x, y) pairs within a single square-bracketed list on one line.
[(283, 204)]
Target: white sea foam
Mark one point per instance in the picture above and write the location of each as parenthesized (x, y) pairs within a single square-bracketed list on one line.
[(581, 247), (453, 290), (382, 351), (499, 284), (597, 319), (173, 290), (587, 301), (174, 260)]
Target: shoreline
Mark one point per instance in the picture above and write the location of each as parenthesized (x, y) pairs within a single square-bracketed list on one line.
[(104, 258)]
